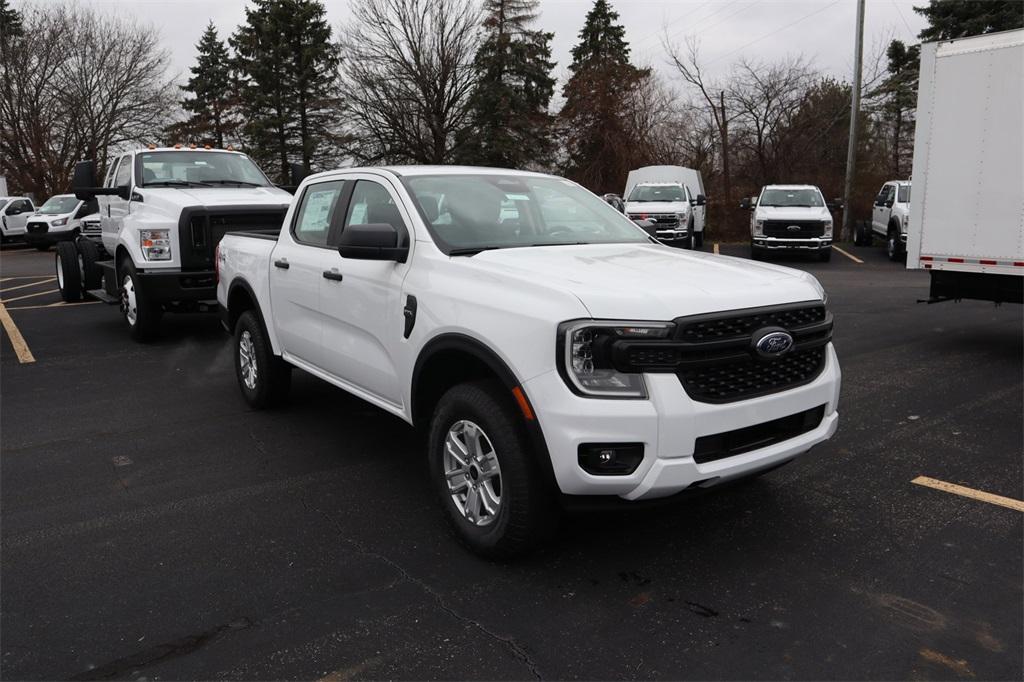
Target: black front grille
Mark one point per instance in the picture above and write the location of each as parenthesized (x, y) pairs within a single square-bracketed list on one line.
[(729, 443), (37, 228), (717, 328), (784, 228), (749, 377), (200, 230)]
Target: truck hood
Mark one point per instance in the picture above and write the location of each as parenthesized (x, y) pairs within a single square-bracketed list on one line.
[(650, 281), (657, 207), (173, 198), (792, 213)]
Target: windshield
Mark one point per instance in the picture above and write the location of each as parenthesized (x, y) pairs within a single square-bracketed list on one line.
[(904, 194), (59, 204), (791, 197), (199, 169), (470, 213), (657, 193)]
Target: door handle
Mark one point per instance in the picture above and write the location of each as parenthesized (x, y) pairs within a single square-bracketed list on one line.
[(333, 275), (281, 263)]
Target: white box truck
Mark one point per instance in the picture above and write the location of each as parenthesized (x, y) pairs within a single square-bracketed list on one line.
[(677, 217), (967, 208)]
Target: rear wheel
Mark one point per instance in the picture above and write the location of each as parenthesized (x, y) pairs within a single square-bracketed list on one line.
[(69, 273), (698, 239), (88, 258), (495, 496), (140, 314), (862, 234), (263, 377)]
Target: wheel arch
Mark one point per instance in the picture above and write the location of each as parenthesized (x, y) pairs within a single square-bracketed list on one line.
[(242, 297), (453, 358)]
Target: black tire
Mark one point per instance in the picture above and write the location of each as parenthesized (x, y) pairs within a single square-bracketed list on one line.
[(527, 511), (756, 253), (89, 253), (69, 274), (272, 378), (688, 242), (862, 234), (698, 239), (893, 246), (146, 323), (825, 255)]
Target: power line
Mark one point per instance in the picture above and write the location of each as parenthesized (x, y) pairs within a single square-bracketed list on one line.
[(768, 35), (693, 27), (898, 10)]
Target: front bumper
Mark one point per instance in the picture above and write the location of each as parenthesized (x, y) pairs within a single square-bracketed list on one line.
[(673, 234), (779, 244), (174, 285), (49, 237), (669, 424)]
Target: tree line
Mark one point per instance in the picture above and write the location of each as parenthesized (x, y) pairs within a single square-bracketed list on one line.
[(455, 81)]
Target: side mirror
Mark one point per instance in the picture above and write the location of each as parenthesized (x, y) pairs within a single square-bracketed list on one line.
[(648, 226), (745, 204), (124, 191), (85, 185), (701, 200), (372, 241)]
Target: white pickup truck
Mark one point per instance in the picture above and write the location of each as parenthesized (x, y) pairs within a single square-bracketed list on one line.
[(890, 217), (162, 212), (548, 346), (790, 218)]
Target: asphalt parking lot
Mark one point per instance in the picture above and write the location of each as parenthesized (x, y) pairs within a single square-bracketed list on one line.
[(154, 527)]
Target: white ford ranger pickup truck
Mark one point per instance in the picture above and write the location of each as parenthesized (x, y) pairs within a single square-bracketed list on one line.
[(547, 345)]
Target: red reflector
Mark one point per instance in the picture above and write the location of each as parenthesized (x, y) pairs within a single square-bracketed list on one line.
[(926, 257), (524, 406), (955, 260), (1018, 264), (987, 262)]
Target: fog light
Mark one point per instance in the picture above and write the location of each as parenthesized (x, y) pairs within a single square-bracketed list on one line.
[(610, 459)]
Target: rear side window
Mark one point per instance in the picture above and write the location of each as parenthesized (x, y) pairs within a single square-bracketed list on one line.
[(313, 222)]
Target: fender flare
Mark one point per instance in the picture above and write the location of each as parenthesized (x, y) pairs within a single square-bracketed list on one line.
[(229, 320), (454, 341)]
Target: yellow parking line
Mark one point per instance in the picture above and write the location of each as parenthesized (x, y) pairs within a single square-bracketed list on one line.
[(7, 279), (17, 340), (30, 284), (715, 248), (38, 293), (848, 255), (59, 304), (955, 489)]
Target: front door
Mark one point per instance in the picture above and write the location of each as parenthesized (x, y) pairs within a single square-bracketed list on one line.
[(363, 310), (15, 216), (297, 264), (882, 209)]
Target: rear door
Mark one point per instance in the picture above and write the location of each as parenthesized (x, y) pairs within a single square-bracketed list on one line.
[(362, 303), (16, 215), (297, 265)]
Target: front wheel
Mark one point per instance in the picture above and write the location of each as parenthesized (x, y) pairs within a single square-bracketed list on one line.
[(495, 496), (88, 258), (69, 272), (263, 377), (140, 314), (698, 239), (893, 246), (825, 255)]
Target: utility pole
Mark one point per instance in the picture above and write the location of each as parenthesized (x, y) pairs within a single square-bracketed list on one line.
[(851, 149)]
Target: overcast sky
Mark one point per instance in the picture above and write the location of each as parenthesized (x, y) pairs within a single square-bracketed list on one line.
[(822, 30)]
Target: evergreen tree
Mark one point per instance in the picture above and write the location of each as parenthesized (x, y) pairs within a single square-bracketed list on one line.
[(599, 142), (898, 95), (212, 89), (287, 67), (10, 21), (948, 19), (511, 125)]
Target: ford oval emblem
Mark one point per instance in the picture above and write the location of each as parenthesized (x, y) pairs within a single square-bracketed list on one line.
[(793, 228), (773, 344)]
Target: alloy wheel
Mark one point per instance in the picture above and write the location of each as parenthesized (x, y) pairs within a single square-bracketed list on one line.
[(472, 473)]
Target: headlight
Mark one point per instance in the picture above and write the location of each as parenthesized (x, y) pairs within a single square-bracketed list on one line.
[(828, 228), (59, 222), (759, 227), (156, 244), (585, 350), (682, 215)]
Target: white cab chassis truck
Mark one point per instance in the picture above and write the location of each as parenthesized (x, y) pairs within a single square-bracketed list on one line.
[(790, 218), (672, 197), (162, 213), (967, 209), (547, 346), (890, 217)]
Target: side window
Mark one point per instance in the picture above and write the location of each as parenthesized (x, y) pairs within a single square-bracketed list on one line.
[(313, 222), (108, 181), (124, 172), (370, 204)]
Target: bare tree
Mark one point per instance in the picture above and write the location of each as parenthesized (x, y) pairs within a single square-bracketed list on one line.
[(407, 67), (687, 64), (74, 85)]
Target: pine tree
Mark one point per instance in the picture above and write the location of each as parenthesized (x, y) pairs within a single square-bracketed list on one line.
[(898, 94), (10, 21), (287, 66), (511, 124), (599, 142), (212, 89), (948, 19)]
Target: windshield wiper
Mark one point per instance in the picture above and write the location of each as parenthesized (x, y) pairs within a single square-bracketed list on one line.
[(234, 182), (473, 250), (560, 244), (176, 183)]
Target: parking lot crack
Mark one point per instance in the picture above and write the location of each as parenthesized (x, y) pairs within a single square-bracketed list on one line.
[(518, 652)]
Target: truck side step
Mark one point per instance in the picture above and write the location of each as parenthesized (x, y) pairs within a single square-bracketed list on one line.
[(104, 296)]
